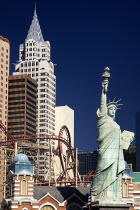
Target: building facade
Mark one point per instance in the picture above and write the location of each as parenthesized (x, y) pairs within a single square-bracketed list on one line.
[(4, 73), (22, 193), (34, 60), (22, 101), (64, 116)]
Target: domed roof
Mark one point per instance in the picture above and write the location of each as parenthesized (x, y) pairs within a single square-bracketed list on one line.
[(21, 158)]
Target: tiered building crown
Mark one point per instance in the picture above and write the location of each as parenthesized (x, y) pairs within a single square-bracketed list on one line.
[(35, 30)]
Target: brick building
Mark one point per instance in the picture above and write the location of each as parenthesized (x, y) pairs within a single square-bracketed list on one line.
[(23, 194)]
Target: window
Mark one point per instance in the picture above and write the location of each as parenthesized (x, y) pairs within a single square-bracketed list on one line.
[(16, 86), (33, 90), (125, 189), (30, 94), (17, 92), (34, 85), (23, 187), (16, 108), (13, 113), (16, 123), (16, 103), (47, 207), (16, 128), (16, 80), (17, 133)]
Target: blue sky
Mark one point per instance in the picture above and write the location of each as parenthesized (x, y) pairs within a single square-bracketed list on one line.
[(85, 37)]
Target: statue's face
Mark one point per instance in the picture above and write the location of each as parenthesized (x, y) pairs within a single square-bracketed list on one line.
[(112, 111)]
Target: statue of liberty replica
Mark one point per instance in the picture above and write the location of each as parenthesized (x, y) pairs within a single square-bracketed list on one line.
[(106, 186)]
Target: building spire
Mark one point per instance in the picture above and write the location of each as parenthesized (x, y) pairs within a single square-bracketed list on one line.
[(35, 30)]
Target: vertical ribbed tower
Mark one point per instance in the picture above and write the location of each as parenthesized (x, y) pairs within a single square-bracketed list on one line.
[(34, 60), (4, 72)]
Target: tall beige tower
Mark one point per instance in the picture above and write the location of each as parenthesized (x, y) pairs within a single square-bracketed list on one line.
[(4, 72)]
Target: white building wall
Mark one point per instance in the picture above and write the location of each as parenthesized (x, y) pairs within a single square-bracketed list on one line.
[(64, 115)]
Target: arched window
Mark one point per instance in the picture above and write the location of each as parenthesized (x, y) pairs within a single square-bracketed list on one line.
[(47, 207), (23, 187), (125, 189), (24, 208), (74, 206)]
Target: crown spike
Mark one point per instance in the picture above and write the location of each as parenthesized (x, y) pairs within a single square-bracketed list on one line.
[(119, 104), (115, 103), (118, 100), (114, 99)]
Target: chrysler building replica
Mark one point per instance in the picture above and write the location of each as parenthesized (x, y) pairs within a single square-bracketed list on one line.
[(34, 60)]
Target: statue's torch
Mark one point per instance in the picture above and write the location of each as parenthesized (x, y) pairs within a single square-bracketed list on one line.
[(106, 76)]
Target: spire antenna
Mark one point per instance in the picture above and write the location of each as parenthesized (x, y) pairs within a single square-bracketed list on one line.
[(35, 30)]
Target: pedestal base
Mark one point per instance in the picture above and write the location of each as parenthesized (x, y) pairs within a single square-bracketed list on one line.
[(110, 207)]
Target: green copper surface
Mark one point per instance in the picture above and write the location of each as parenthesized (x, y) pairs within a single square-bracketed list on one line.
[(106, 186)]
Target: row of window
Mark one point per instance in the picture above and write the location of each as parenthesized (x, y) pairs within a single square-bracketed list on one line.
[(29, 124), (17, 86), (32, 106), (31, 83), (17, 112), (16, 80), (15, 117), (16, 98), (16, 92), (16, 103), (30, 130), (47, 96), (31, 115), (29, 99), (16, 128), (16, 123), (6, 67), (2, 48), (31, 110), (30, 94), (16, 107), (32, 120), (32, 54), (30, 88)]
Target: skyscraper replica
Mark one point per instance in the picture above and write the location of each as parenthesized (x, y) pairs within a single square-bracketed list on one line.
[(34, 60), (4, 72)]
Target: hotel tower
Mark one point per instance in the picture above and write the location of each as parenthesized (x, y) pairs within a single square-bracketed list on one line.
[(4, 72), (34, 60)]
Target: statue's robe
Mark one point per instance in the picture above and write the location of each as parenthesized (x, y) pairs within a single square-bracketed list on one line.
[(106, 183)]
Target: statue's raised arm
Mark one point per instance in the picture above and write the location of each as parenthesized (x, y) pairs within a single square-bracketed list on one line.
[(103, 102)]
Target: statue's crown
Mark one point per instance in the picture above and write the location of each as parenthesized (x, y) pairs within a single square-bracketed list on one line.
[(114, 103)]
